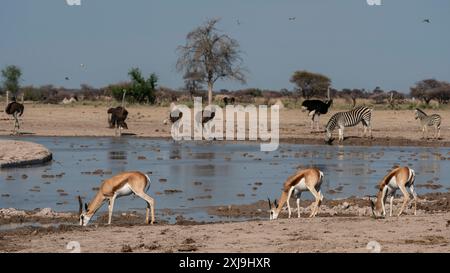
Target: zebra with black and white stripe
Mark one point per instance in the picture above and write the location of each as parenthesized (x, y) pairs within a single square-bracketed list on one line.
[(350, 118), (429, 120)]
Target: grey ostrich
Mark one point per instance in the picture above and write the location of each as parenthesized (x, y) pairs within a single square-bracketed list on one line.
[(117, 119), (15, 109)]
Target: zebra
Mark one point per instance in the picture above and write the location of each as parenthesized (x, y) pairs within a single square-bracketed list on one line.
[(429, 120), (348, 119)]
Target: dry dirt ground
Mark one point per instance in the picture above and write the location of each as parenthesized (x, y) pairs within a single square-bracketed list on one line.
[(389, 127), (339, 227), (422, 233), (21, 153)]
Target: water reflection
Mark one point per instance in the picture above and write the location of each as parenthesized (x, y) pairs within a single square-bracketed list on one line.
[(205, 174)]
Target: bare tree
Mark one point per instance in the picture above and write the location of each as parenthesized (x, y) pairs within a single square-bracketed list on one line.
[(212, 54), (193, 81)]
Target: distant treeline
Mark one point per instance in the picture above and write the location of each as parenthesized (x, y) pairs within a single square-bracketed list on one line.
[(424, 91)]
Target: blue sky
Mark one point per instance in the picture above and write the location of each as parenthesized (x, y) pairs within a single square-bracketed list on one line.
[(356, 45)]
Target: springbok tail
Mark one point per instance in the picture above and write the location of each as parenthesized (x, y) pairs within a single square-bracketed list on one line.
[(148, 182), (412, 175)]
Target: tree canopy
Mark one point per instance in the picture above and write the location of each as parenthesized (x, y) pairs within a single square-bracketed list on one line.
[(139, 90), (310, 84), (429, 89), (11, 79)]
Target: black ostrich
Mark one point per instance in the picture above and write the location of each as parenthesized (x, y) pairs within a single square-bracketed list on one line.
[(117, 118), (316, 108), (207, 116), (228, 100), (175, 115), (15, 109)]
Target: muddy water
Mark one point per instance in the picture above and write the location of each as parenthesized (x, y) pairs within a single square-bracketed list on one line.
[(189, 176)]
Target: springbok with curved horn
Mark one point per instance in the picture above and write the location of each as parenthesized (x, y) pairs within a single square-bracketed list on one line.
[(399, 178), (123, 184), (304, 180)]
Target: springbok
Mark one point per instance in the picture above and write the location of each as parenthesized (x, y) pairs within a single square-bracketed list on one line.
[(123, 184), (303, 180), (399, 178)]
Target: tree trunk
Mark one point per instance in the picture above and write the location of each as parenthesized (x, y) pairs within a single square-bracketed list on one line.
[(210, 89)]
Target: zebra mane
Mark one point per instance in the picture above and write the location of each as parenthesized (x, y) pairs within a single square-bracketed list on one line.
[(420, 111), (331, 124)]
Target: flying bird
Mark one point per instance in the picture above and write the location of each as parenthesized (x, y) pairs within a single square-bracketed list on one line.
[(67, 78), (426, 21), (291, 18), (238, 22)]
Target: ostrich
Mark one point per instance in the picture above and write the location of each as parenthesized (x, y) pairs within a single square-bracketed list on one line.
[(14, 108), (207, 116), (316, 108), (228, 100), (117, 119), (174, 116)]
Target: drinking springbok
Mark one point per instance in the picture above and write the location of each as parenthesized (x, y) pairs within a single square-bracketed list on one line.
[(304, 180), (399, 178), (123, 184)]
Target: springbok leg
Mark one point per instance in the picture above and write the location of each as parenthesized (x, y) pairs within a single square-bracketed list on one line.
[(405, 198), (150, 205), (298, 204), (110, 208)]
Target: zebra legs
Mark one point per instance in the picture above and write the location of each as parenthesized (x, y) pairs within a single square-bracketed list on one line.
[(341, 133), (424, 131), (437, 132), (366, 125)]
